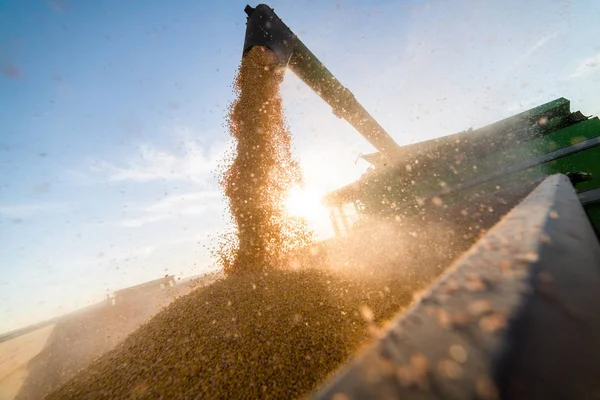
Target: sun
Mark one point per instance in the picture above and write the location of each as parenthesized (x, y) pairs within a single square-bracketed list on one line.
[(304, 202)]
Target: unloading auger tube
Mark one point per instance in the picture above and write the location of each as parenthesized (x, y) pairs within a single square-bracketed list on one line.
[(265, 28)]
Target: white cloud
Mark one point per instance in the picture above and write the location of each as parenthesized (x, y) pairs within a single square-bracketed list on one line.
[(175, 202), (537, 45), (587, 66), (114, 255), (188, 204), (144, 251), (193, 163)]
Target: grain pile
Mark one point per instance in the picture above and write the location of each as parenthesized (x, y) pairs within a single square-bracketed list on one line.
[(247, 336), (78, 339), (265, 330)]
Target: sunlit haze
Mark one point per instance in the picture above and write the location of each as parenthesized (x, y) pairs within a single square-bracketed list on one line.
[(113, 119), (306, 203)]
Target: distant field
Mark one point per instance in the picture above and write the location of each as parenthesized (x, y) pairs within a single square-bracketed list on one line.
[(15, 354), (36, 360)]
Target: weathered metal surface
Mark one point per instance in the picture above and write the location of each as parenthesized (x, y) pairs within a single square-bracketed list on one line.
[(515, 317), (589, 197)]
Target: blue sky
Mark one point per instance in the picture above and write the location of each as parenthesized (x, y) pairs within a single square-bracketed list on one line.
[(112, 117)]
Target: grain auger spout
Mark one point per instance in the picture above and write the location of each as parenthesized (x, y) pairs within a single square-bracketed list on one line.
[(265, 28)]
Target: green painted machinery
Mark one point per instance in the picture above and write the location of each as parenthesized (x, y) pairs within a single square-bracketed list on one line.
[(476, 175)]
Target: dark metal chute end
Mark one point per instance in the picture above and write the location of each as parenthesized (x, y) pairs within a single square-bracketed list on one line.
[(265, 28)]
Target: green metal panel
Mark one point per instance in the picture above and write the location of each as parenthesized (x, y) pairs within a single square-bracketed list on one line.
[(544, 132), (553, 141), (585, 161), (384, 197), (593, 212), (469, 169)]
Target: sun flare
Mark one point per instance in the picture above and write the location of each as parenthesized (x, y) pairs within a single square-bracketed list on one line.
[(306, 203)]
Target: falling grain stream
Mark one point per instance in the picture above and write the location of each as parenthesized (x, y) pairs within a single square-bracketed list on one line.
[(263, 170)]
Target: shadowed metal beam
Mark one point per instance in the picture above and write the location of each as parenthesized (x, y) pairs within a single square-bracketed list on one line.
[(517, 316), (589, 197)]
